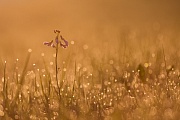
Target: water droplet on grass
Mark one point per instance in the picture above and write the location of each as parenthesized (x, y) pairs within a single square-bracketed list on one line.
[(30, 50), (72, 42)]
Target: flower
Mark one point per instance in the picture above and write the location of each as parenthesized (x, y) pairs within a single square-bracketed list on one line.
[(49, 43), (57, 41), (65, 45)]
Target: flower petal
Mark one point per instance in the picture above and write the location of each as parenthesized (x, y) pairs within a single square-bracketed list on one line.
[(48, 43), (52, 45), (65, 41), (62, 45)]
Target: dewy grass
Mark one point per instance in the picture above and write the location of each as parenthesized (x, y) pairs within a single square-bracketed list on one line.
[(21, 81), (109, 90), (10, 104)]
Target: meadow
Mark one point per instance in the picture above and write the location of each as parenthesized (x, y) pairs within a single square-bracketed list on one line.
[(78, 84)]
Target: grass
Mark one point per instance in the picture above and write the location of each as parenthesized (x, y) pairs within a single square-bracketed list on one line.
[(100, 89)]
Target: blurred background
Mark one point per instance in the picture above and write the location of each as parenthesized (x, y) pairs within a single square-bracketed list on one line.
[(136, 25)]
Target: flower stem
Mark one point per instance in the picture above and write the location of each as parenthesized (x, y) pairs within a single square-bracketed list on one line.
[(56, 62)]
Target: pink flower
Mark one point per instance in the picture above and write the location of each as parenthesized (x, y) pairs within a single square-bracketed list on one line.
[(57, 41), (49, 43), (65, 45)]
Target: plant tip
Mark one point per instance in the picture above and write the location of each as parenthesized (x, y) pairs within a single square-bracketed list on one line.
[(57, 31)]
